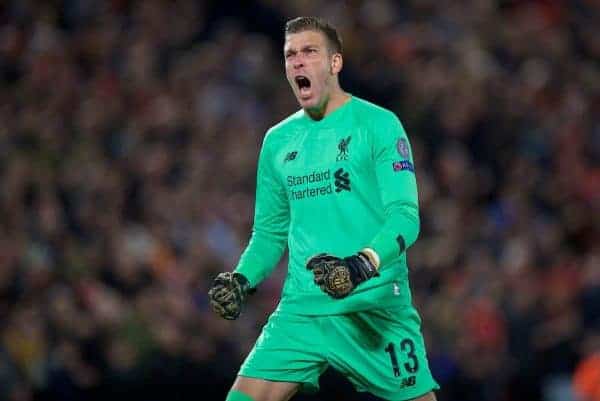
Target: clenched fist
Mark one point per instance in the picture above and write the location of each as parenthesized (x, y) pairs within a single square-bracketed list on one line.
[(339, 276), (228, 294)]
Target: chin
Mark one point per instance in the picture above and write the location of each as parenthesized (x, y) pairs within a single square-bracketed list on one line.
[(309, 103)]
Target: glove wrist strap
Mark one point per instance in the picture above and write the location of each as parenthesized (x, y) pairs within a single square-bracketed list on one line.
[(243, 282), (362, 269)]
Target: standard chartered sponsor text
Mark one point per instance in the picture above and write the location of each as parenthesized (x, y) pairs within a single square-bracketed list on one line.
[(321, 178)]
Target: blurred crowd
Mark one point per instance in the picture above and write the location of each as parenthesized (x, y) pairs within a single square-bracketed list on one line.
[(129, 135)]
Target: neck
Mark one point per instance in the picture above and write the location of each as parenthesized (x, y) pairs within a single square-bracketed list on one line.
[(335, 100)]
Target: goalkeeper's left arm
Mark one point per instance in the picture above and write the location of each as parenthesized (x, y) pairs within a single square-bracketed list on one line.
[(397, 187)]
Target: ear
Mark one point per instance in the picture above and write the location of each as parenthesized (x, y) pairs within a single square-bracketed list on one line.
[(337, 62)]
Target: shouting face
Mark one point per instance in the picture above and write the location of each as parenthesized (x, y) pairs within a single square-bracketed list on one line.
[(311, 68)]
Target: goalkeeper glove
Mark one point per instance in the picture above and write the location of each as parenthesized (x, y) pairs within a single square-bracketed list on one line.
[(339, 276), (228, 294)]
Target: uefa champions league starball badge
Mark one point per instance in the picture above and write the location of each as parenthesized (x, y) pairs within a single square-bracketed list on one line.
[(402, 147)]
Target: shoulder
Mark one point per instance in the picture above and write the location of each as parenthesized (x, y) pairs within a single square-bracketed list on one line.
[(374, 112), (284, 128), (378, 121)]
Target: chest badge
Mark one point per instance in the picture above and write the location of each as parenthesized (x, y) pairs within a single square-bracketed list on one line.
[(343, 149)]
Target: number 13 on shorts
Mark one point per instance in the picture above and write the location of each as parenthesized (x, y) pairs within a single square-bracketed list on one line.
[(407, 347)]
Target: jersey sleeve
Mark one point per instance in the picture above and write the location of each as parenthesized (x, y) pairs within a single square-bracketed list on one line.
[(397, 188), (271, 223)]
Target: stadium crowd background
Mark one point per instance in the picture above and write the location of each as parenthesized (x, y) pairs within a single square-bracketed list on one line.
[(129, 134)]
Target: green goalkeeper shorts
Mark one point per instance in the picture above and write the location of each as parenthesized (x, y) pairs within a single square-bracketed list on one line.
[(380, 351)]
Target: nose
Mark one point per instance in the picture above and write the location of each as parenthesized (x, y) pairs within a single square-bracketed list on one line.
[(298, 63)]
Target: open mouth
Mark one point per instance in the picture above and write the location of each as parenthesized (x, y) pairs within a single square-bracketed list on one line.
[(303, 84)]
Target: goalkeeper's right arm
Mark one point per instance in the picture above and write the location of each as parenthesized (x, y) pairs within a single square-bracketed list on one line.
[(265, 248), (271, 222)]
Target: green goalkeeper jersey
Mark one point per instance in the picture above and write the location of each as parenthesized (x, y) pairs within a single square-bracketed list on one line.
[(336, 185)]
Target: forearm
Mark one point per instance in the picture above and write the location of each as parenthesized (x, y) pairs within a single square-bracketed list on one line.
[(261, 256), (399, 232)]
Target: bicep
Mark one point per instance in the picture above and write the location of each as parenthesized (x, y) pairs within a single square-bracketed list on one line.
[(394, 165), (271, 212)]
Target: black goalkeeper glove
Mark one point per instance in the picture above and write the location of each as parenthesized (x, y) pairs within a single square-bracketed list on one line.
[(339, 276), (228, 294)]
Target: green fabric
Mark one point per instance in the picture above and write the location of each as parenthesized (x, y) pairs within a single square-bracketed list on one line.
[(235, 395), (336, 185), (299, 348)]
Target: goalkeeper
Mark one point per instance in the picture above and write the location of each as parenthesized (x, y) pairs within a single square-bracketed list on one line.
[(336, 184)]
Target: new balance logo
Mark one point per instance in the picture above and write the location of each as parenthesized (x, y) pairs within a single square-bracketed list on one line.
[(342, 182), (408, 381), (290, 156)]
